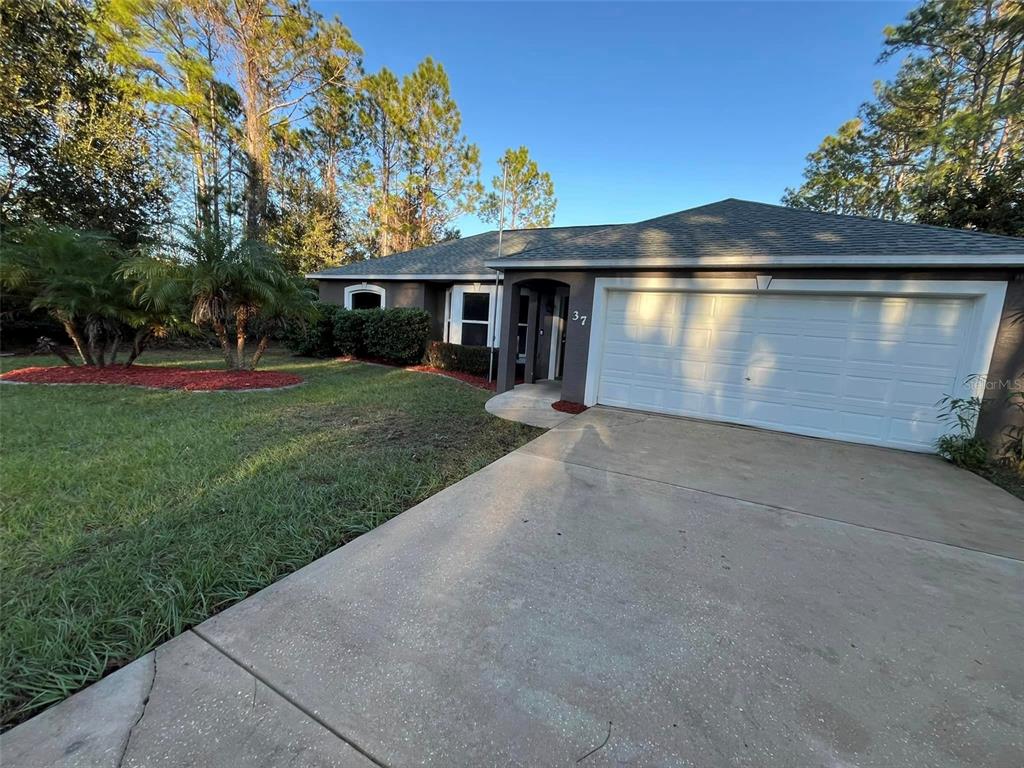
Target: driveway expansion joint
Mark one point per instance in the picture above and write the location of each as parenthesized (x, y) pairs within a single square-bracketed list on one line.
[(290, 699), (142, 713), (767, 505)]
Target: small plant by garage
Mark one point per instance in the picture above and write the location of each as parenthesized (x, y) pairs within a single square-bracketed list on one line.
[(960, 445)]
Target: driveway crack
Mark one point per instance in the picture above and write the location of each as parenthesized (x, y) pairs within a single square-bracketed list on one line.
[(311, 714), (142, 714)]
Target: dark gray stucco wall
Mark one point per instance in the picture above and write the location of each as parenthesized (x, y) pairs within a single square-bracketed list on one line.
[(433, 302), (396, 293), (1006, 372), (1007, 360)]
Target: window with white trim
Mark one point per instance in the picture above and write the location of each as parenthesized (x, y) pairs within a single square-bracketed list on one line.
[(471, 315), (476, 311), (364, 296)]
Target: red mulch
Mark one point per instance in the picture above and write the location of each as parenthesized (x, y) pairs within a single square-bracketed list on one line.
[(466, 378), (567, 406), (154, 376)]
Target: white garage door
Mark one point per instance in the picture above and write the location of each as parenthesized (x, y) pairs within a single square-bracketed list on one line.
[(861, 368)]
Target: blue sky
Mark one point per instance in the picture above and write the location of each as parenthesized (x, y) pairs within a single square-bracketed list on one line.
[(641, 109)]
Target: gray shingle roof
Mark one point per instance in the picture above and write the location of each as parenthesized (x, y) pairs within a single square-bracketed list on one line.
[(738, 231), (465, 256), (729, 232)]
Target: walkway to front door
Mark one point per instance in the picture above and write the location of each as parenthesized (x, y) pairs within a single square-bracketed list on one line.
[(529, 404)]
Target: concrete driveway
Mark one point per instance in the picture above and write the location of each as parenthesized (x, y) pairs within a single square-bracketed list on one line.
[(627, 590)]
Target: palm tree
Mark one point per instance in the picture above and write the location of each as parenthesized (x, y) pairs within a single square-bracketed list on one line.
[(292, 303), (72, 275), (228, 284)]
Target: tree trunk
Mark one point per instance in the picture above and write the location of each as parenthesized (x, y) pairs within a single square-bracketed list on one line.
[(260, 349), (113, 347), (225, 345), (241, 319), (257, 143), (76, 338), (46, 344), (138, 345), (92, 333)]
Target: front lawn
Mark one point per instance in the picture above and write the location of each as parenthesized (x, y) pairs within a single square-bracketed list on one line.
[(130, 514)]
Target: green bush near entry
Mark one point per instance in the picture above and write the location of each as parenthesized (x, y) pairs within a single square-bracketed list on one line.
[(315, 338), (349, 326), (456, 357), (397, 335)]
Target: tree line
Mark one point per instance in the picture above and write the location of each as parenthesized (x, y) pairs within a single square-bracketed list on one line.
[(943, 142), (175, 166), (253, 117)]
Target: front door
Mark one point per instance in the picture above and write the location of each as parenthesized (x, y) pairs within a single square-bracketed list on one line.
[(558, 320)]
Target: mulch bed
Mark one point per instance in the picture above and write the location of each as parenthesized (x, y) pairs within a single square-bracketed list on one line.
[(466, 378), (567, 406), (154, 376)]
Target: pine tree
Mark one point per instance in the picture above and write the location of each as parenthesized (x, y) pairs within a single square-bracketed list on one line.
[(944, 134), (421, 171), (529, 193)]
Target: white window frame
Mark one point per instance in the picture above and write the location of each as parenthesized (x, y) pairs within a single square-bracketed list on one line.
[(352, 290), (454, 311), (521, 356), (988, 295), (447, 335)]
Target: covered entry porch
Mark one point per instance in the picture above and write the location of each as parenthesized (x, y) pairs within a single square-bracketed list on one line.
[(535, 314)]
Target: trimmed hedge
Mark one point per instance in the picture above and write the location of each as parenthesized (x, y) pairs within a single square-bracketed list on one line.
[(396, 335), (456, 357), (399, 335), (315, 338), (349, 326)]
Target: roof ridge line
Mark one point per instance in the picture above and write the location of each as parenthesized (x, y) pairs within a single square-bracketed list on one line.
[(870, 219)]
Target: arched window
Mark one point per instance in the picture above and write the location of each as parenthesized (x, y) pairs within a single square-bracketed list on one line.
[(364, 296)]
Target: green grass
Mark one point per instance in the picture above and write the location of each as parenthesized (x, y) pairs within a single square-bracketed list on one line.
[(129, 514)]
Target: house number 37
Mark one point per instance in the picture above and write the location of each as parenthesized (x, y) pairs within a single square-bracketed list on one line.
[(581, 318)]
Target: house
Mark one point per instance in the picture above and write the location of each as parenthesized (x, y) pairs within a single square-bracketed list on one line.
[(818, 324)]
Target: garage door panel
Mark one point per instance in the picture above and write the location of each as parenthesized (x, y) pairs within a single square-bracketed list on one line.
[(934, 314), (862, 368), (889, 311), (861, 425), (811, 383), (913, 393)]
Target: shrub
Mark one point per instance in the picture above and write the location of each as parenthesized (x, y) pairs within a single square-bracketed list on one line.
[(315, 338), (967, 452), (456, 357), (397, 335), (1012, 450), (960, 445), (349, 329)]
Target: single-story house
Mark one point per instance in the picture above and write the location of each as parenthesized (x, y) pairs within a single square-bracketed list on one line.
[(832, 326)]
